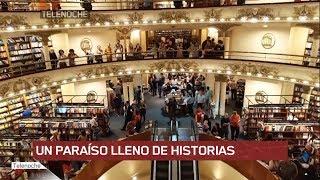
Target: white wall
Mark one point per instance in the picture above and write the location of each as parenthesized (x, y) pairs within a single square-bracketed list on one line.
[(269, 87), (102, 38), (60, 41), (248, 39)]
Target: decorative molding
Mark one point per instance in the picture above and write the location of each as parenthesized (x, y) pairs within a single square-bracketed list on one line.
[(20, 84), (135, 17), (103, 69), (55, 21), (4, 89), (255, 13), (213, 14), (123, 32), (44, 35), (224, 27), (173, 15), (254, 69), (98, 18), (173, 64), (305, 10), (221, 78), (13, 20)]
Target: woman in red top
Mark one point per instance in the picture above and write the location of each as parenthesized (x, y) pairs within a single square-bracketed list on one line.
[(235, 125), (137, 120), (199, 114)]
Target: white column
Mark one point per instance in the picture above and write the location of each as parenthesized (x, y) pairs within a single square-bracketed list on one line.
[(137, 80), (210, 83), (46, 56), (222, 109), (216, 96), (131, 92), (125, 91), (226, 43)]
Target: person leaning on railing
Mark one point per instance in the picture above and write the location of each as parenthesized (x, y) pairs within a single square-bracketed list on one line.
[(71, 56)]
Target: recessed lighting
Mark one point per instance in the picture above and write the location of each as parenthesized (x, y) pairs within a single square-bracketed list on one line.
[(293, 80), (259, 75), (191, 70), (200, 70), (111, 74), (229, 72), (277, 18), (183, 20), (305, 82), (136, 22), (77, 25), (154, 22), (254, 20), (303, 18), (265, 19), (238, 73), (211, 19), (116, 23), (145, 22), (87, 24), (54, 83), (74, 79), (281, 78), (67, 25), (98, 24), (33, 88), (232, 19), (107, 23), (243, 19), (249, 74), (33, 27), (219, 71), (102, 75), (201, 20), (83, 78), (138, 72), (173, 70), (10, 28), (289, 18), (270, 76), (192, 20), (22, 27), (222, 20), (45, 26), (129, 72), (182, 70), (164, 21)]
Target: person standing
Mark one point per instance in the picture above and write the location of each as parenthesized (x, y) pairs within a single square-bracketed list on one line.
[(128, 114), (172, 107), (225, 126), (235, 125), (99, 54), (233, 88), (108, 52), (154, 85), (160, 84), (72, 55), (143, 111), (53, 59), (118, 51), (138, 94)]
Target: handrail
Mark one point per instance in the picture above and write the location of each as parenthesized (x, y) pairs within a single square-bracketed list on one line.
[(286, 59), (38, 5), (304, 102)]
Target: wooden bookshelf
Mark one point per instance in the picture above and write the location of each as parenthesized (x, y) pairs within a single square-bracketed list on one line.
[(314, 104)]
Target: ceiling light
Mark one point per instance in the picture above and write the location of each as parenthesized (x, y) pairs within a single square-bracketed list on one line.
[(135, 22), (145, 22), (102, 75), (238, 73), (200, 70), (316, 18), (265, 19), (154, 22), (183, 20), (232, 19), (11, 94), (191, 70), (138, 72), (293, 80), (173, 70), (303, 18), (54, 83), (253, 20), (305, 82), (22, 91), (98, 24), (173, 21), (45, 26), (83, 78), (164, 21), (120, 73), (44, 86), (228, 72), (67, 25), (243, 19), (93, 76), (201, 20), (270, 76), (289, 18), (281, 78), (10, 28), (129, 72), (111, 74), (277, 18), (33, 27), (22, 27), (222, 20), (219, 71), (126, 22), (87, 24), (317, 84), (116, 23), (77, 25), (33, 88), (147, 71), (259, 75), (74, 79), (1, 97), (164, 70), (64, 81), (56, 25), (192, 20), (182, 70), (107, 23), (265, 26), (249, 74)]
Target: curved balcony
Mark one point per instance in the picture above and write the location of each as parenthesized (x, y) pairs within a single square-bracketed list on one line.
[(89, 5)]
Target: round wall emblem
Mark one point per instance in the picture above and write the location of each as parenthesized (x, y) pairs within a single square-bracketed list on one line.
[(86, 45), (92, 97), (261, 97), (268, 41)]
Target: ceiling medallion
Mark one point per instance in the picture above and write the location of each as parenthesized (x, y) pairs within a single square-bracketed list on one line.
[(268, 41)]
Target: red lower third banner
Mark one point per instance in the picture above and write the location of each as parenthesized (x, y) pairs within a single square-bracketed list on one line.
[(160, 150)]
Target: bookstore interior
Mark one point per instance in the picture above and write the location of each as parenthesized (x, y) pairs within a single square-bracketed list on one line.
[(126, 70)]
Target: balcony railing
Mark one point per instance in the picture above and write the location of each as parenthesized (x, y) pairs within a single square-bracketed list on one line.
[(28, 67), (40, 5)]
